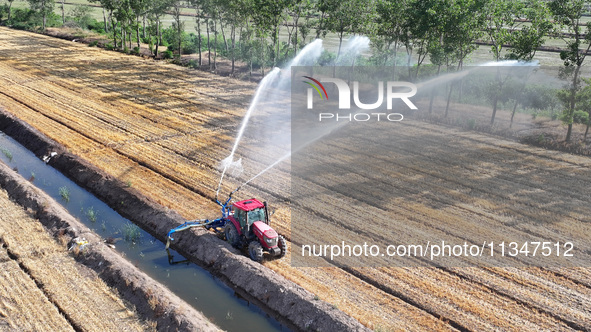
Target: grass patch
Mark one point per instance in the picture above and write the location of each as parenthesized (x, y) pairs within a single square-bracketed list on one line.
[(7, 153), (91, 214), (131, 232), (65, 193)]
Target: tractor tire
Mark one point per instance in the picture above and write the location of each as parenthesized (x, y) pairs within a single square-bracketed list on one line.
[(282, 244), (232, 235), (255, 250)]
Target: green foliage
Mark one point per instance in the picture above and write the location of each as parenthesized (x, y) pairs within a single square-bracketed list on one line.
[(6, 153), (526, 39), (97, 26), (3, 12), (326, 58), (64, 192), (93, 43), (45, 10), (131, 232), (91, 214), (567, 14), (167, 54), (190, 43), (580, 116), (81, 16), (169, 38)]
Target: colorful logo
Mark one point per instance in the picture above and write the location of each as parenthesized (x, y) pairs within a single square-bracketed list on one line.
[(316, 87)]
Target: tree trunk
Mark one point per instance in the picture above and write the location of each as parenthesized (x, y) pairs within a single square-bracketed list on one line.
[(409, 56), (123, 38), (433, 93), (215, 44), (224, 37), (275, 45), (179, 34), (233, 37), (451, 87), (9, 10), (63, 13), (198, 21), (262, 57), (513, 113), (587, 130), (105, 21), (44, 19), (113, 28), (571, 110), (494, 112), (144, 26), (137, 33), (295, 42), (208, 44), (158, 37), (496, 97), (340, 45)]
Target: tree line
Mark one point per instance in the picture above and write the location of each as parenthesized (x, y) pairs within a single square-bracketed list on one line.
[(443, 31)]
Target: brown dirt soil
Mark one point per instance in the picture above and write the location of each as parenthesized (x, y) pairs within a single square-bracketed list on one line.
[(163, 130), (75, 283)]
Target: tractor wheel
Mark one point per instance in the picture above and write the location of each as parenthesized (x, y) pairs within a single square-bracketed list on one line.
[(232, 235), (282, 244), (256, 251)]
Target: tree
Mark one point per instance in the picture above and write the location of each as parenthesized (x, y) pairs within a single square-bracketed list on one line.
[(156, 9), (567, 14), (63, 13), (9, 8), (526, 40), (110, 6), (199, 13), (426, 27), (463, 27), (584, 104), (123, 14), (44, 7), (268, 16), (500, 24), (301, 10), (139, 8), (342, 16), (391, 25), (235, 13), (178, 25)]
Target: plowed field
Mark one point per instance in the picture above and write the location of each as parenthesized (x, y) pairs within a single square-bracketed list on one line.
[(42, 288), (163, 130)]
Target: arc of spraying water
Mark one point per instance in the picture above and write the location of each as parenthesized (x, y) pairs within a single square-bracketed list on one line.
[(262, 87), (303, 56)]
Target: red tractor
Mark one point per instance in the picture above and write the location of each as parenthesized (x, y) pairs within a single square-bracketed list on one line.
[(245, 225), (248, 226)]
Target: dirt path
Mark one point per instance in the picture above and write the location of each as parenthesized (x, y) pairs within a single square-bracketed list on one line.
[(44, 288), (163, 130)]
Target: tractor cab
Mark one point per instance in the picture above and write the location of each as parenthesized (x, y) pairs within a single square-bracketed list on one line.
[(247, 212)]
